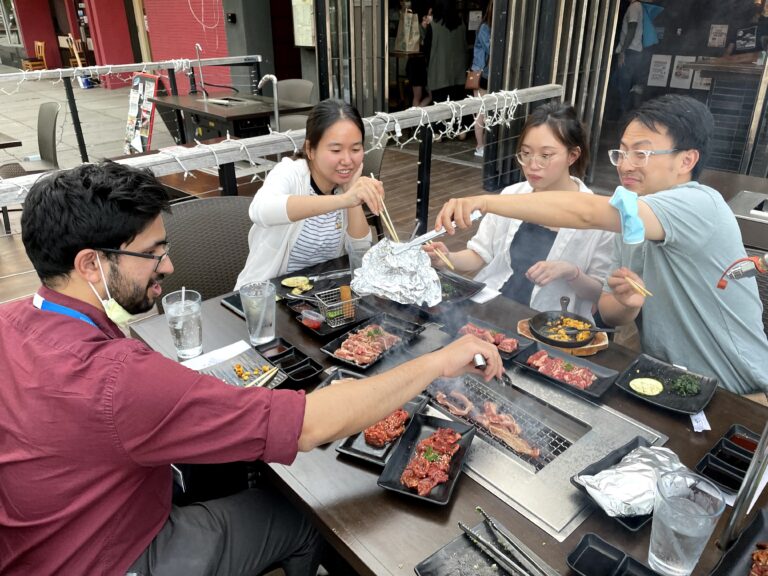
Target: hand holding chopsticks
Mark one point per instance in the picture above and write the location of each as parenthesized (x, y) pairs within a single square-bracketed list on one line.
[(638, 287), (440, 254), (385, 218)]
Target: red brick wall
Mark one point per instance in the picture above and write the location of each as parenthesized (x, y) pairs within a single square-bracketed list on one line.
[(37, 25), (108, 25), (174, 29)]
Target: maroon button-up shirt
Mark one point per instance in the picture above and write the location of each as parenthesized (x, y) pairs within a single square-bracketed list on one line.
[(89, 423)]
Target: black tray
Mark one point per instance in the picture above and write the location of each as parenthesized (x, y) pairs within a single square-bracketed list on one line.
[(339, 374), (648, 366), (522, 342), (738, 559), (605, 376), (726, 463), (593, 556), (460, 556), (317, 286), (300, 368), (462, 288), (407, 331), (356, 446), (421, 427), (250, 360), (633, 523), (362, 313)]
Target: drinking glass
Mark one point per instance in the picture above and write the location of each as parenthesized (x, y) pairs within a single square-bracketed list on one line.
[(185, 322), (355, 260), (258, 300), (685, 513)]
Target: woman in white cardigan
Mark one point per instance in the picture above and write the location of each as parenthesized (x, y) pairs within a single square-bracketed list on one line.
[(310, 209), (532, 264)]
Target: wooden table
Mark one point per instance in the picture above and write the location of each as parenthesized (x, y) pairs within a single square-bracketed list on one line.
[(378, 532), (8, 141)]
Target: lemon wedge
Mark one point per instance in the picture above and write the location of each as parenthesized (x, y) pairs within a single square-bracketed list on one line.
[(647, 386), (294, 281)]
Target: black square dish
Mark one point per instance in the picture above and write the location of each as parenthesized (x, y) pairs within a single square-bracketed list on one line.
[(633, 523), (522, 342), (339, 374), (649, 367), (356, 446), (727, 478), (593, 556), (405, 330), (743, 437), (605, 376), (737, 561), (421, 427)]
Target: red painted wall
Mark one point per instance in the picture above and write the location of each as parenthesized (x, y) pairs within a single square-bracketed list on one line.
[(37, 25), (108, 24), (174, 28)]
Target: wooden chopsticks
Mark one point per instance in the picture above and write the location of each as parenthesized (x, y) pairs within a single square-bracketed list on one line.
[(443, 257), (384, 216), (263, 379), (638, 288)]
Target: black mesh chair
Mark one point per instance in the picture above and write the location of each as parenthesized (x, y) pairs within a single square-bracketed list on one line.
[(209, 244)]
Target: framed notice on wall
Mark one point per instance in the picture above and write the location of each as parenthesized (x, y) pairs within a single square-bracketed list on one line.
[(303, 22), (659, 72), (681, 76), (717, 35), (702, 82), (141, 113)]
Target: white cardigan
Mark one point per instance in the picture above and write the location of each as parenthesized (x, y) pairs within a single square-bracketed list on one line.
[(590, 250), (273, 235)]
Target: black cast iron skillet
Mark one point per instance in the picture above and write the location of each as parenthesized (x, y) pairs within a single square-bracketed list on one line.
[(539, 326)]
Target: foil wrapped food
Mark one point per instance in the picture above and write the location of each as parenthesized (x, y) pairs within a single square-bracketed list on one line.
[(629, 487), (407, 278)]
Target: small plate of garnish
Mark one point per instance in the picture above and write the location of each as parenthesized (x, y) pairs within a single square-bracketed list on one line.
[(666, 385)]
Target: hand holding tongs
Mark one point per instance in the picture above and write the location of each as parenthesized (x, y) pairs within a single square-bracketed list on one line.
[(424, 238)]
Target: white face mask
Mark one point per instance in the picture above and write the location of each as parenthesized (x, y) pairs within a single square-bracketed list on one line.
[(112, 309)]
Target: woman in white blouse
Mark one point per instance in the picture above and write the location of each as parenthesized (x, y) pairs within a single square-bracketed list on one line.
[(310, 209), (532, 264)]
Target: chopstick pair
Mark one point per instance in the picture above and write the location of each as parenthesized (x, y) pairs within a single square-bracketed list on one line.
[(263, 379), (637, 287), (384, 216), (443, 257)]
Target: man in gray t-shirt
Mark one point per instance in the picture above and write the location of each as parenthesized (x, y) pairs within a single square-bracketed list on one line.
[(690, 237)]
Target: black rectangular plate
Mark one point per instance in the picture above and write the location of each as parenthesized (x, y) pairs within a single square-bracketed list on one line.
[(362, 313), (317, 286), (605, 376), (738, 560), (633, 523), (522, 342), (422, 426), (461, 557), (407, 331), (340, 374), (356, 447), (593, 556), (463, 288), (250, 359), (650, 367)]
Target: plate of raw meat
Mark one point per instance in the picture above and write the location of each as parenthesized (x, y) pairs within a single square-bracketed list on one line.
[(570, 372), (375, 443), (366, 345), (427, 461), (508, 342)]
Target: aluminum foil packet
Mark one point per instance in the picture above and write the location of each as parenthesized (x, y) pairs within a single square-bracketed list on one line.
[(407, 278), (629, 487)]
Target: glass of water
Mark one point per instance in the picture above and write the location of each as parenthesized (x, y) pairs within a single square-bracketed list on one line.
[(686, 510), (183, 315), (258, 300), (355, 259)]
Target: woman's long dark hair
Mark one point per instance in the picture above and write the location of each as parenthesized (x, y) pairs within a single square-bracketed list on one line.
[(446, 13), (323, 116)]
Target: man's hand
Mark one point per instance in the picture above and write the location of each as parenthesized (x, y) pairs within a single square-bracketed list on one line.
[(623, 291), (431, 248), (620, 59), (459, 210), (546, 271), (364, 190), (458, 358)]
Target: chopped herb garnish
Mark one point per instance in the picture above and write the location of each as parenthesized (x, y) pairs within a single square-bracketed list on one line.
[(430, 455), (686, 385), (568, 366)]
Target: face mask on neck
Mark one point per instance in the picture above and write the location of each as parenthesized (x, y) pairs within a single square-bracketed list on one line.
[(112, 309)]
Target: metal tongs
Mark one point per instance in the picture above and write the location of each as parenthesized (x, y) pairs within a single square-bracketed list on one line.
[(519, 560), (424, 238)]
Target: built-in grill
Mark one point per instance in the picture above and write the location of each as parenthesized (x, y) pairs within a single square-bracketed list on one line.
[(570, 432)]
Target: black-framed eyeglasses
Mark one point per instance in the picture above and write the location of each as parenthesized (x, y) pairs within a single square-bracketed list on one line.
[(157, 257), (637, 158)]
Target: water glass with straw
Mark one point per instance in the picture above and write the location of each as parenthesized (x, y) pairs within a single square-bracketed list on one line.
[(183, 313)]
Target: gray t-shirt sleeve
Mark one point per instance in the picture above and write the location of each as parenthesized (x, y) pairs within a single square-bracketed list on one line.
[(687, 214)]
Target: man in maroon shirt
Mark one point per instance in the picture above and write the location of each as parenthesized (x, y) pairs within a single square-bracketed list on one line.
[(90, 420)]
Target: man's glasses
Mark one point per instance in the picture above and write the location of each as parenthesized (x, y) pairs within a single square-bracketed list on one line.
[(636, 158), (541, 160), (159, 258)]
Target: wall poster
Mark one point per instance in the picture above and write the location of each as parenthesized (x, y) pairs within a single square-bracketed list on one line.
[(681, 76), (718, 33), (659, 72)]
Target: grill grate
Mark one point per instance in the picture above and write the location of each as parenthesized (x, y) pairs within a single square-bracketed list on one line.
[(548, 441)]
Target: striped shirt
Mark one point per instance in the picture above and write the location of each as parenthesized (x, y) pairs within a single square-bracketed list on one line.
[(318, 241)]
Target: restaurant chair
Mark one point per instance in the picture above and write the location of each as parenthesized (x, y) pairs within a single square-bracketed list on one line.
[(291, 122), (209, 244), (76, 52), (11, 170), (295, 90), (47, 115), (38, 61)]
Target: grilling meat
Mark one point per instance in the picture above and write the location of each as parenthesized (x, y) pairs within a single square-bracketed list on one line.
[(431, 461), (514, 441), (503, 342), (365, 345), (491, 417), (557, 368), (760, 560), (462, 408), (387, 430)]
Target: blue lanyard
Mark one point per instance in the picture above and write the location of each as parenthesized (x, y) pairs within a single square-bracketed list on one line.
[(46, 306)]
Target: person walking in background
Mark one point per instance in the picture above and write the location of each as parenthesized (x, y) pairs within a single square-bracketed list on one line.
[(629, 54), (446, 37), (416, 68), (480, 61)]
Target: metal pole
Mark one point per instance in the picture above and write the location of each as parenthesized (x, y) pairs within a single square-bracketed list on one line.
[(422, 185), (321, 51), (75, 119), (177, 112)]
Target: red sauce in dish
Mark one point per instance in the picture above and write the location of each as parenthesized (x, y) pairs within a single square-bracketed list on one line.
[(744, 442), (310, 323)]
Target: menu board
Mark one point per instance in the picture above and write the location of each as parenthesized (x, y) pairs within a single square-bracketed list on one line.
[(303, 23)]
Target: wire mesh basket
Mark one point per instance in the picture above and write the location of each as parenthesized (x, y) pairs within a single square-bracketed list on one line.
[(337, 312)]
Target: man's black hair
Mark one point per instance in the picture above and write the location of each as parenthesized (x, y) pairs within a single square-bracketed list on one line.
[(688, 122), (103, 205)]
